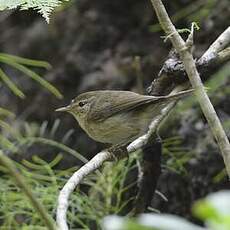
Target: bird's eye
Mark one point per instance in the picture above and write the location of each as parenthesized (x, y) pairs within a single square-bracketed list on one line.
[(81, 103)]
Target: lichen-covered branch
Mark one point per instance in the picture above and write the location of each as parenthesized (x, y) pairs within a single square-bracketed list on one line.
[(223, 55), (220, 43), (173, 73), (76, 178)]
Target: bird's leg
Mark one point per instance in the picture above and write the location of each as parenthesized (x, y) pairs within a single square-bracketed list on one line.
[(118, 151)]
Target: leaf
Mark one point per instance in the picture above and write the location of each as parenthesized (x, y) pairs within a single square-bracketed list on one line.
[(7, 144), (34, 76), (214, 210), (26, 61), (6, 112), (11, 85)]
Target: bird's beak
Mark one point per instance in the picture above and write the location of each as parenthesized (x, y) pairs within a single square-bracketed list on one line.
[(64, 109)]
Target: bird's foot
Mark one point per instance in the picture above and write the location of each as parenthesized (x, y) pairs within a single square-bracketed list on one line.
[(118, 152)]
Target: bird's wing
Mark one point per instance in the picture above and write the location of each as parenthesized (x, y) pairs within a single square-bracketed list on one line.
[(116, 102), (124, 101)]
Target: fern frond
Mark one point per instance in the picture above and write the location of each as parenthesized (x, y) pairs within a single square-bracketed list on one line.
[(44, 7)]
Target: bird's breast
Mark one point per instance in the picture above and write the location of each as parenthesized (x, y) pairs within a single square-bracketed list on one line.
[(114, 130)]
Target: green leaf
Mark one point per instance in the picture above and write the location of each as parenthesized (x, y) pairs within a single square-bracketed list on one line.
[(204, 210), (6, 144), (6, 112), (34, 76), (55, 144), (10, 130), (26, 61), (11, 85)]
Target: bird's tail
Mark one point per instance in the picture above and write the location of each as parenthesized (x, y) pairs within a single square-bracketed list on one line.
[(179, 95)]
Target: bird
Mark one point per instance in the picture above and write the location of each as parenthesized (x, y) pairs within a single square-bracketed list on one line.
[(117, 117)]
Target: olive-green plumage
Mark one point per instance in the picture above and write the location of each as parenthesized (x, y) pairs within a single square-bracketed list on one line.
[(117, 117)]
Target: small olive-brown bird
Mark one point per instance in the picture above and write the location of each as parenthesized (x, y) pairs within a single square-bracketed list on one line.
[(117, 117)]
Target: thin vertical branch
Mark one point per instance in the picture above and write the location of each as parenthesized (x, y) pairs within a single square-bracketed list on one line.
[(190, 68)]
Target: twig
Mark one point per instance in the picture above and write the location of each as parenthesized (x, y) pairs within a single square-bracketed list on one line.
[(46, 218), (139, 75), (195, 80)]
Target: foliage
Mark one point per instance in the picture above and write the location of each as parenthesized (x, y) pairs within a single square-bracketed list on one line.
[(11, 138), (21, 64), (102, 196), (18, 137), (44, 7), (16, 211), (175, 155), (214, 210)]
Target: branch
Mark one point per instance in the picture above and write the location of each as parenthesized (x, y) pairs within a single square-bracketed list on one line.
[(46, 218), (71, 184), (223, 55), (193, 75), (221, 42), (173, 72)]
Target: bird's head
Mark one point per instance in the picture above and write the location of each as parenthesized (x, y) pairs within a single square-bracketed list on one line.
[(79, 106)]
